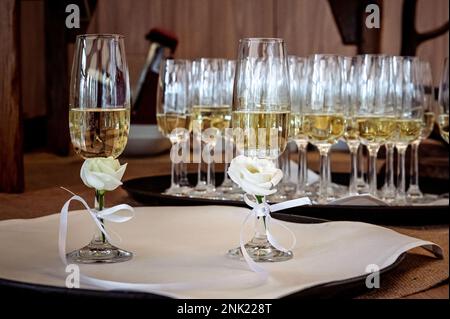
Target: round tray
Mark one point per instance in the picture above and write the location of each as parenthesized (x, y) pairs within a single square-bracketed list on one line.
[(37, 292), (148, 191)]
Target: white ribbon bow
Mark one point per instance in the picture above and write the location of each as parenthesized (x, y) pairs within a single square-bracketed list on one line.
[(264, 210), (108, 214)]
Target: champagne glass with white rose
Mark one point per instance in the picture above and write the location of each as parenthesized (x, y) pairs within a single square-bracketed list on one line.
[(99, 121), (261, 108)]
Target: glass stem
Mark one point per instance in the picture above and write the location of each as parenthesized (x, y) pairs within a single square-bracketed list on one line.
[(353, 190), (401, 187), (210, 182), (302, 177), (373, 151), (260, 224), (389, 187), (414, 178), (324, 174), (99, 206)]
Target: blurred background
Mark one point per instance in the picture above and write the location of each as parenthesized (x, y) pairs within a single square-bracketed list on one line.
[(36, 49)]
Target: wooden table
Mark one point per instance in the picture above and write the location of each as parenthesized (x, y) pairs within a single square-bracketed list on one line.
[(45, 173)]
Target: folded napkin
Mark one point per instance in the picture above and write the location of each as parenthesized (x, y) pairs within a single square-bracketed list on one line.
[(188, 244)]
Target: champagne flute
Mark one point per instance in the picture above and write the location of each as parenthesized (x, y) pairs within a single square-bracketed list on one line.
[(388, 192), (99, 120), (173, 115), (375, 117), (323, 118), (211, 115), (443, 103), (425, 79), (261, 107), (298, 81), (410, 116), (351, 135), (228, 188)]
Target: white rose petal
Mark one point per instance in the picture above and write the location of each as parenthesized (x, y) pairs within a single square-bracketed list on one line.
[(102, 173), (255, 176)]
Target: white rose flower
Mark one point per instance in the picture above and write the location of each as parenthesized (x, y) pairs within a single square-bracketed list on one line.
[(255, 176), (103, 174)]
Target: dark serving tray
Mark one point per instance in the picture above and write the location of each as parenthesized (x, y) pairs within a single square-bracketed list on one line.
[(148, 191), (27, 291)]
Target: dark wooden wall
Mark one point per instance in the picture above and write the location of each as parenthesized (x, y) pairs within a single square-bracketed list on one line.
[(11, 159)]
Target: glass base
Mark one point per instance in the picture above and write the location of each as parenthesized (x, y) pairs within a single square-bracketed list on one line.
[(177, 190), (260, 250), (99, 252), (361, 186), (414, 194)]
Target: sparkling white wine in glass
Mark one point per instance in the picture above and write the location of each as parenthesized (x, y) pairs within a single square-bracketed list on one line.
[(205, 117), (99, 132), (443, 126), (427, 124), (261, 107), (169, 122), (376, 129), (99, 121), (297, 131), (408, 130), (324, 128), (265, 132)]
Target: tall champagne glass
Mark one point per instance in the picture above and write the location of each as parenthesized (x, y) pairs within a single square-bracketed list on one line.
[(375, 117), (443, 103), (174, 115), (410, 116), (298, 81), (425, 79), (211, 115), (351, 135), (261, 107), (323, 118), (228, 188), (99, 120)]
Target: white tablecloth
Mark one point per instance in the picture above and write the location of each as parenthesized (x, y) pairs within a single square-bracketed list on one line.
[(189, 244)]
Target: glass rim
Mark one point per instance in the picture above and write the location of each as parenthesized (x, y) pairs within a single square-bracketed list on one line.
[(262, 39), (100, 35)]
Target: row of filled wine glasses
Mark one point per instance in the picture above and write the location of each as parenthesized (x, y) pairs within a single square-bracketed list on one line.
[(370, 101), (195, 97)]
